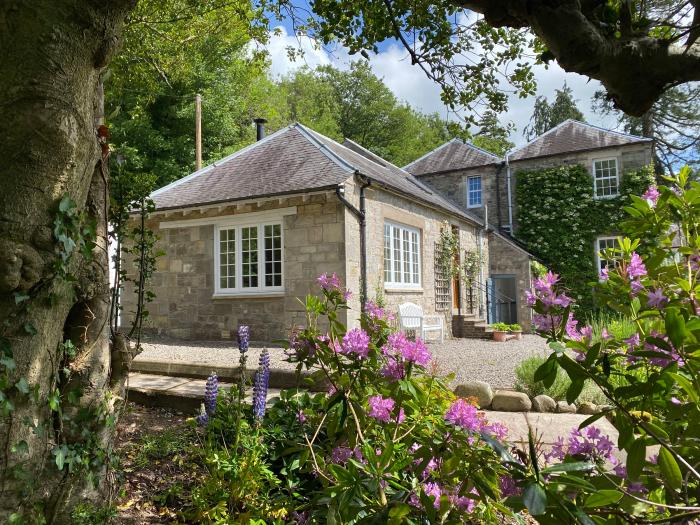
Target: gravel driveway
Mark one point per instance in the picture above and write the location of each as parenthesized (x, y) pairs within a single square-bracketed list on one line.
[(469, 359)]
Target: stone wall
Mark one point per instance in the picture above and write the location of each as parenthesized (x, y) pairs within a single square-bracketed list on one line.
[(453, 185), (382, 206), (507, 259), (184, 306)]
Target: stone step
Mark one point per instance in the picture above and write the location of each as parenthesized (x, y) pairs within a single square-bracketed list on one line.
[(279, 377), (177, 393)]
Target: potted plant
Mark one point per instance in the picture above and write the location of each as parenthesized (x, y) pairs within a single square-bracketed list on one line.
[(517, 331), (500, 332)]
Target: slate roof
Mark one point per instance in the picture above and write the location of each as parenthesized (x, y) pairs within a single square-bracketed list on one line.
[(571, 136), (295, 159), (453, 155)]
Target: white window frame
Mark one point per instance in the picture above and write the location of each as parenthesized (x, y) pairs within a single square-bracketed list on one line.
[(239, 290), (481, 192), (595, 178), (402, 285), (597, 249)]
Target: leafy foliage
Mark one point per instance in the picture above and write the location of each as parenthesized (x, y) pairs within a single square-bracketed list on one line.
[(650, 377), (545, 116), (566, 214)]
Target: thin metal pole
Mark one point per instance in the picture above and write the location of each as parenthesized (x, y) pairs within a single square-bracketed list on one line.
[(198, 131)]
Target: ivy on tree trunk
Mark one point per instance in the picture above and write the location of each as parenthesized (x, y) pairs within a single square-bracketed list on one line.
[(63, 375)]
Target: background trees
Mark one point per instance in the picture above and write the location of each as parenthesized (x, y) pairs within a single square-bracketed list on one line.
[(545, 116)]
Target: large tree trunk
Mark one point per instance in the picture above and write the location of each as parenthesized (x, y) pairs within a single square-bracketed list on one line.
[(52, 53)]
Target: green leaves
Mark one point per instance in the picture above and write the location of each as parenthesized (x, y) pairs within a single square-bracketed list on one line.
[(636, 457), (670, 470), (602, 498), (535, 499), (675, 327)]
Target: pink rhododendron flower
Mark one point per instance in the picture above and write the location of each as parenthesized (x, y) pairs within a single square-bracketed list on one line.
[(603, 276), (604, 335), (656, 299), (637, 287), (380, 408), (327, 282), (571, 329), (651, 195), (463, 415), (636, 266), (393, 370), (341, 455), (355, 341), (347, 294)]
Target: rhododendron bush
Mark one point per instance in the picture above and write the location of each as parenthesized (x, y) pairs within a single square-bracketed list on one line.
[(651, 378), (388, 442)]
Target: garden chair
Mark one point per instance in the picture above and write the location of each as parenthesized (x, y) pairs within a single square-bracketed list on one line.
[(411, 318)]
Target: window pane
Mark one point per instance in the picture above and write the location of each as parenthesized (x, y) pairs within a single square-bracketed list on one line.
[(401, 255), (249, 256), (396, 237), (273, 255), (406, 257), (605, 172), (414, 257), (227, 258), (474, 191)]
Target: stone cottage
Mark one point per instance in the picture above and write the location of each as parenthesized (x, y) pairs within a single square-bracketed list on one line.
[(248, 235), (484, 185)]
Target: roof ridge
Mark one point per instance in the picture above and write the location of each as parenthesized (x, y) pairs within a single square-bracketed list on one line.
[(612, 131), (434, 150), (474, 146), (219, 162), (388, 162)]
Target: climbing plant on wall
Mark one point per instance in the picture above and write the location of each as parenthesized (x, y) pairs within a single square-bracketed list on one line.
[(561, 224)]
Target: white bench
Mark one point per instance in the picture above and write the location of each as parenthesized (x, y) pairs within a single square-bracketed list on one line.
[(411, 318)]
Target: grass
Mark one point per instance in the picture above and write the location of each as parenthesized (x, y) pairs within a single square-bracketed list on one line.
[(161, 446)]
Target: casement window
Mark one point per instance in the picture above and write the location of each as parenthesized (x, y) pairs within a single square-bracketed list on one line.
[(248, 259), (605, 178), (602, 244), (402, 264), (474, 192)]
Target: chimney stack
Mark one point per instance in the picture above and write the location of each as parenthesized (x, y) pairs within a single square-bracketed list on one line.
[(260, 128)]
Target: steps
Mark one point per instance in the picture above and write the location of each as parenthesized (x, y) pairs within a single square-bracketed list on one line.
[(469, 326)]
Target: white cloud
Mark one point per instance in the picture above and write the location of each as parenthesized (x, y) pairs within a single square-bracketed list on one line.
[(409, 82)]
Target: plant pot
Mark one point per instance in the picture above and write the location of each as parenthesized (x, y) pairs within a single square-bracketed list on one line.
[(500, 337), (517, 335)]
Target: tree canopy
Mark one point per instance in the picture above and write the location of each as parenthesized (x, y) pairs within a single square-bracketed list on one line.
[(475, 49), (545, 115)]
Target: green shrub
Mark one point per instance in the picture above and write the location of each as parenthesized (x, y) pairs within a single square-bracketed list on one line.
[(525, 382), (500, 327), (515, 328)]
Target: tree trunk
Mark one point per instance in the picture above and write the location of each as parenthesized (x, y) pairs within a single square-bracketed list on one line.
[(52, 55)]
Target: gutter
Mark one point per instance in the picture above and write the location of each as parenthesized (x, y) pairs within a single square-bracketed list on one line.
[(361, 216), (498, 194)]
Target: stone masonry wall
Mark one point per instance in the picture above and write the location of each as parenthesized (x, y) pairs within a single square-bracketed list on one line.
[(184, 306), (506, 259), (382, 206), (453, 185)]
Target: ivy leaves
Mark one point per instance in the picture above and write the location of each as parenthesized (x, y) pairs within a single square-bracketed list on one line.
[(74, 230)]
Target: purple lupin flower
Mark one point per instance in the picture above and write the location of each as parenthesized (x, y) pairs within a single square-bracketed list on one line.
[(203, 418), (211, 392), (243, 338), (260, 384)]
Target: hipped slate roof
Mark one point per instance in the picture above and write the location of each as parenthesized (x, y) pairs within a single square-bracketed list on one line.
[(571, 136), (295, 159), (453, 155)]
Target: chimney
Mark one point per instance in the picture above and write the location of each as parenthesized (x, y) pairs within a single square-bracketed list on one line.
[(260, 128)]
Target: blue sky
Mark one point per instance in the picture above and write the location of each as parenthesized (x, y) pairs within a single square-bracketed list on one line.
[(409, 83)]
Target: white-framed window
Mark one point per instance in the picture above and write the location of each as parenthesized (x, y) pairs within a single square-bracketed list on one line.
[(606, 181), (474, 192), (248, 258), (602, 244), (402, 256)]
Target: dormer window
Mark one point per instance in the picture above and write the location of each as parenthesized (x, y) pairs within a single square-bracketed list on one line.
[(606, 181)]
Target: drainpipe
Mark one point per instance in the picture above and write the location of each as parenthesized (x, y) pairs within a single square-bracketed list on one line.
[(498, 194), (510, 197), (361, 216)]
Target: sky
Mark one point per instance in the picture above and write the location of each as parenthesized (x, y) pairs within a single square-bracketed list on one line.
[(410, 84)]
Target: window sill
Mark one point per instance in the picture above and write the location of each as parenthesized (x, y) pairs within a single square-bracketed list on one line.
[(248, 295), (605, 197), (399, 289)]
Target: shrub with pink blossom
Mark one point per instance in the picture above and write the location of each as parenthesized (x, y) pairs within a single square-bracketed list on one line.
[(388, 442), (651, 377)]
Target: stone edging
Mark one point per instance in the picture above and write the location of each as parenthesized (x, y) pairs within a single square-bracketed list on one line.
[(511, 401)]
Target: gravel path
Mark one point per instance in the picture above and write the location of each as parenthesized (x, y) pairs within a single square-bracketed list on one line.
[(469, 359)]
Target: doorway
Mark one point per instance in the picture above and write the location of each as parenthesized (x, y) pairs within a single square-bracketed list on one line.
[(502, 302)]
